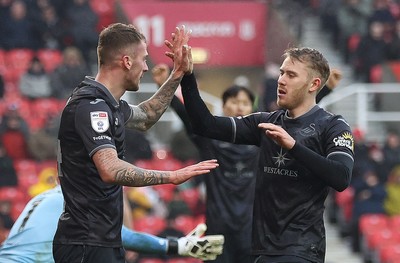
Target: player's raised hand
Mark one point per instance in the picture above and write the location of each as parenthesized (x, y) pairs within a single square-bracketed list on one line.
[(180, 51), (184, 174)]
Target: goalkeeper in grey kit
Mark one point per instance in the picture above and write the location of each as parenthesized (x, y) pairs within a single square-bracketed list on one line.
[(30, 239)]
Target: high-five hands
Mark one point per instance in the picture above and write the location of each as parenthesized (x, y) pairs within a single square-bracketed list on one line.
[(204, 248), (180, 52)]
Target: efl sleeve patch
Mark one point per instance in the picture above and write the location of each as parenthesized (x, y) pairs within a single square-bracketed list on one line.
[(99, 121)]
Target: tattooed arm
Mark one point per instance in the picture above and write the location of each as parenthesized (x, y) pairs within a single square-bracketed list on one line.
[(147, 113), (115, 171)]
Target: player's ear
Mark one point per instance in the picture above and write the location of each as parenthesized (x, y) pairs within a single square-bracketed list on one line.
[(315, 85), (126, 62)]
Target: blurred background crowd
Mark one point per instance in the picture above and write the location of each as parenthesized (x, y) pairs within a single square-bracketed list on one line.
[(48, 46)]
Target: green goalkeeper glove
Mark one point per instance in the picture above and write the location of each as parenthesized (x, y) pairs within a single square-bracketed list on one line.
[(204, 248)]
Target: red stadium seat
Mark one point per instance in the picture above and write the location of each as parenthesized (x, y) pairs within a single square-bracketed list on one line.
[(165, 191), (50, 58), (16, 209), (382, 237), (344, 201), (150, 224), (105, 10), (394, 222), (184, 223), (14, 194), (390, 253), (184, 260), (371, 222), (19, 58), (151, 260), (375, 74), (46, 107), (190, 196)]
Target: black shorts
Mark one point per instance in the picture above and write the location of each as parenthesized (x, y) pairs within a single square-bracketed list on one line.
[(87, 254)]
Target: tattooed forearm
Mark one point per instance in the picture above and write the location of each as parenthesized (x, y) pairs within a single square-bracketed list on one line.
[(140, 177), (116, 171), (147, 113)]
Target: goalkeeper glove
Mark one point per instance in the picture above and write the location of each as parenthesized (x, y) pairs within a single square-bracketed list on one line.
[(204, 248)]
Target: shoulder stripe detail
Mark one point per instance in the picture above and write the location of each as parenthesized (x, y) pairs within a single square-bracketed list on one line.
[(233, 129), (342, 153), (101, 147)]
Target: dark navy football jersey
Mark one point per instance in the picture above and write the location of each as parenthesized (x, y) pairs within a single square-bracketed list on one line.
[(291, 186), (230, 187), (289, 203), (91, 120)]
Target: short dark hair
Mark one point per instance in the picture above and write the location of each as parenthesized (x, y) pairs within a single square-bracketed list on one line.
[(313, 58), (234, 90), (116, 37)]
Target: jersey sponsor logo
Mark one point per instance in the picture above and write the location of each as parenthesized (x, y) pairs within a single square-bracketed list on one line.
[(345, 140), (101, 137), (309, 130), (99, 121), (96, 101), (240, 171), (280, 159), (279, 171)]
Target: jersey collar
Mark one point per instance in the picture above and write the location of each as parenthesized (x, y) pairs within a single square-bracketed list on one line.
[(92, 82)]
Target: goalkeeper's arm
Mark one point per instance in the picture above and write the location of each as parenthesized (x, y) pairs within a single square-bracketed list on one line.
[(193, 245)]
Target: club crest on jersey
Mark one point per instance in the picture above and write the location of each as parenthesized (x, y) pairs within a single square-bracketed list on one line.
[(99, 121), (345, 140)]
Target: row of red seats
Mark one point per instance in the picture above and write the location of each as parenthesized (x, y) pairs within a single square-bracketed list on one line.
[(155, 224), (380, 235), (15, 62), (37, 112)]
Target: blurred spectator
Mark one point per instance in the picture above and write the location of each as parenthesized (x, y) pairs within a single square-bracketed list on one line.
[(8, 175), (381, 12), (82, 24), (50, 28), (18, 28), (352, 19), (42, 144), (369, 194), (370, 52), (47, 181), (137, 140), (145, 201), (66, 77), (182, 147), (361, 150), (177, 206), (35, 83), (14, 133), (4, 16), (391, 151), (270, 82), (392, 200), (329, 19), (5, 214), (394, 44)]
